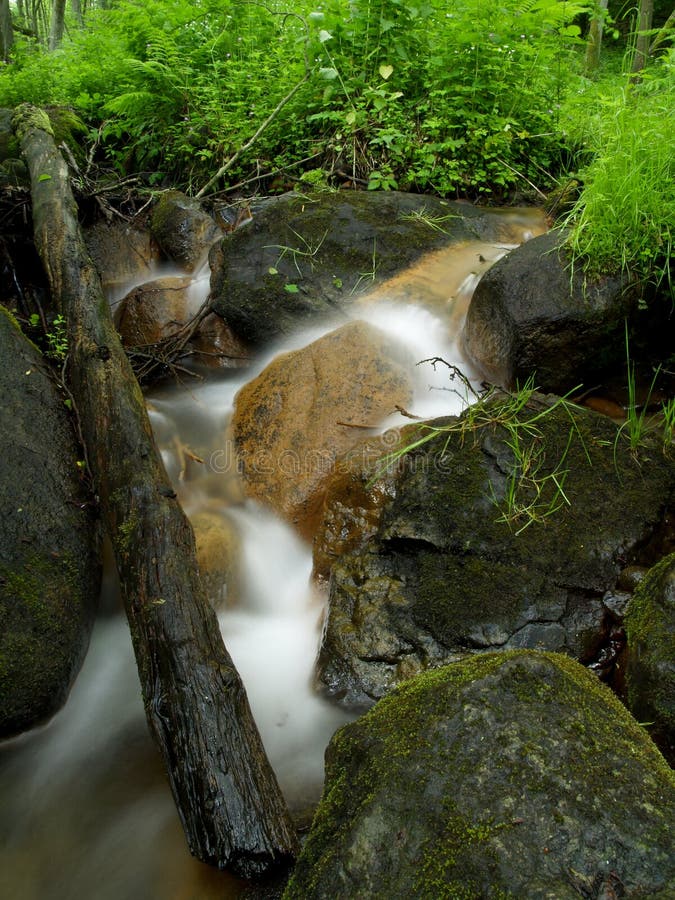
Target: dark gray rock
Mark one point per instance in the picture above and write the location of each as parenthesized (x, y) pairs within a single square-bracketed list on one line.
[(442, 576), (182, 229), (650, 630), (303, 258), (531, 314), (49, 564), (512, 775)]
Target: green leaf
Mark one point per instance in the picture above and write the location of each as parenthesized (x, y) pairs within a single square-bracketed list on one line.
[(45, 177), (385, 71), (329, 73), (325, 36), (273, 271), (291, 288)]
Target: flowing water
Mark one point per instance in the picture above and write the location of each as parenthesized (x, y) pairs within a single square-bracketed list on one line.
[(86, 811)]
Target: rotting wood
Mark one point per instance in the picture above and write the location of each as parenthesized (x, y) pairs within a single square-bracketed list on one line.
[(227, 796)]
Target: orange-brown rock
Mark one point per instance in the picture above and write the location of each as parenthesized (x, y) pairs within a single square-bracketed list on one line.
[(307, 408), (159, 309), (363, 481), (218, 552), (122, 254), (155, 310)]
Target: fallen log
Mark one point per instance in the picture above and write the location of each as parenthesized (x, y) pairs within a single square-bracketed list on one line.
[(227, 796)]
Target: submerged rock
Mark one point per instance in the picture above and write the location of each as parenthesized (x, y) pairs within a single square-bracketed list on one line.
[(531, 315), (218, 556), (650, 630), (309, 406), (49, 561), (509, 775), (478, 550), (303, 258)]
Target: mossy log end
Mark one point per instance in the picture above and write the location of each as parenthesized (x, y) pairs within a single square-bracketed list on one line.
[(227, 795)]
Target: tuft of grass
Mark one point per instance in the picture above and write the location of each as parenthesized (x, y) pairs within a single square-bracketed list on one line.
[(535, 487), (624, 218)]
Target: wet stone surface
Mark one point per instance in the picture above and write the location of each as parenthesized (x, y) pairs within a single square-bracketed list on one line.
[(442, 577)]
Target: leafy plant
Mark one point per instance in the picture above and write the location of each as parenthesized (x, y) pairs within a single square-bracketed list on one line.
[(623, 220)]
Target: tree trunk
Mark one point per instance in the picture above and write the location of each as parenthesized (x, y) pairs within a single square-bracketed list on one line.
[(643, 35), (6, 36), (57, 24), (227, 796), (594, 44), (76, 7)]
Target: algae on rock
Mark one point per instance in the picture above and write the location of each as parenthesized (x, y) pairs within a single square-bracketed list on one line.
[(512, 774)]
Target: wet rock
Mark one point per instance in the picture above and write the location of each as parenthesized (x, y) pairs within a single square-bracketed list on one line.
[(530, 316), (122, 254), (155, 310), (509, 775), (218, 552), (303, 258), (49, 563), (309, 406), (650, 629), (454, 567), (182, 229), (159, 309), (356, 491)]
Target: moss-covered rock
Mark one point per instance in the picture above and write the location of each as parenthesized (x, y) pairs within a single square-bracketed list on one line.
[(453, 566), (49, 564), (650, 630), (183, 230), (304, 257), (514, 775)]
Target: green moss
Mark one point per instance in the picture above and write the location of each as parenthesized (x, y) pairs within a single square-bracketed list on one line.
[(650, 630), (367, 759), (27, 117)]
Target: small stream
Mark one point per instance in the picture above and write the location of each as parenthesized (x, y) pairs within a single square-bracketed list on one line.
[(86, 811)]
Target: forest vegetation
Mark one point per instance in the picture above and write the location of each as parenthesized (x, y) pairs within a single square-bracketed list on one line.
[(498, 104)]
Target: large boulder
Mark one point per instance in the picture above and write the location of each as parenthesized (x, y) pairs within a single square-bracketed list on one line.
[(49, 564), (650, 630), (183, 230), (510, 775), (532, 314), (303, 258), (493, 539), (306, 408)]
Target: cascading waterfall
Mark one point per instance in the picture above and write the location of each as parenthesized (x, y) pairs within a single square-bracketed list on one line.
[(86, 810)]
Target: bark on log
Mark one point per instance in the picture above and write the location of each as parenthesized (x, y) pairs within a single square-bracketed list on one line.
[(227, 796)]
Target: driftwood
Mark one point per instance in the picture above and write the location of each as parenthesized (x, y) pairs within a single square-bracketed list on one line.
[(227, 796)]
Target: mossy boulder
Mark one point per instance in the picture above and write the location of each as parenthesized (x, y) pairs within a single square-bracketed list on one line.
[(49, 562), (532, 314), (650, 630), (307, 407), (307, 257), (183, 230), (514, 775), (460, 562)]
